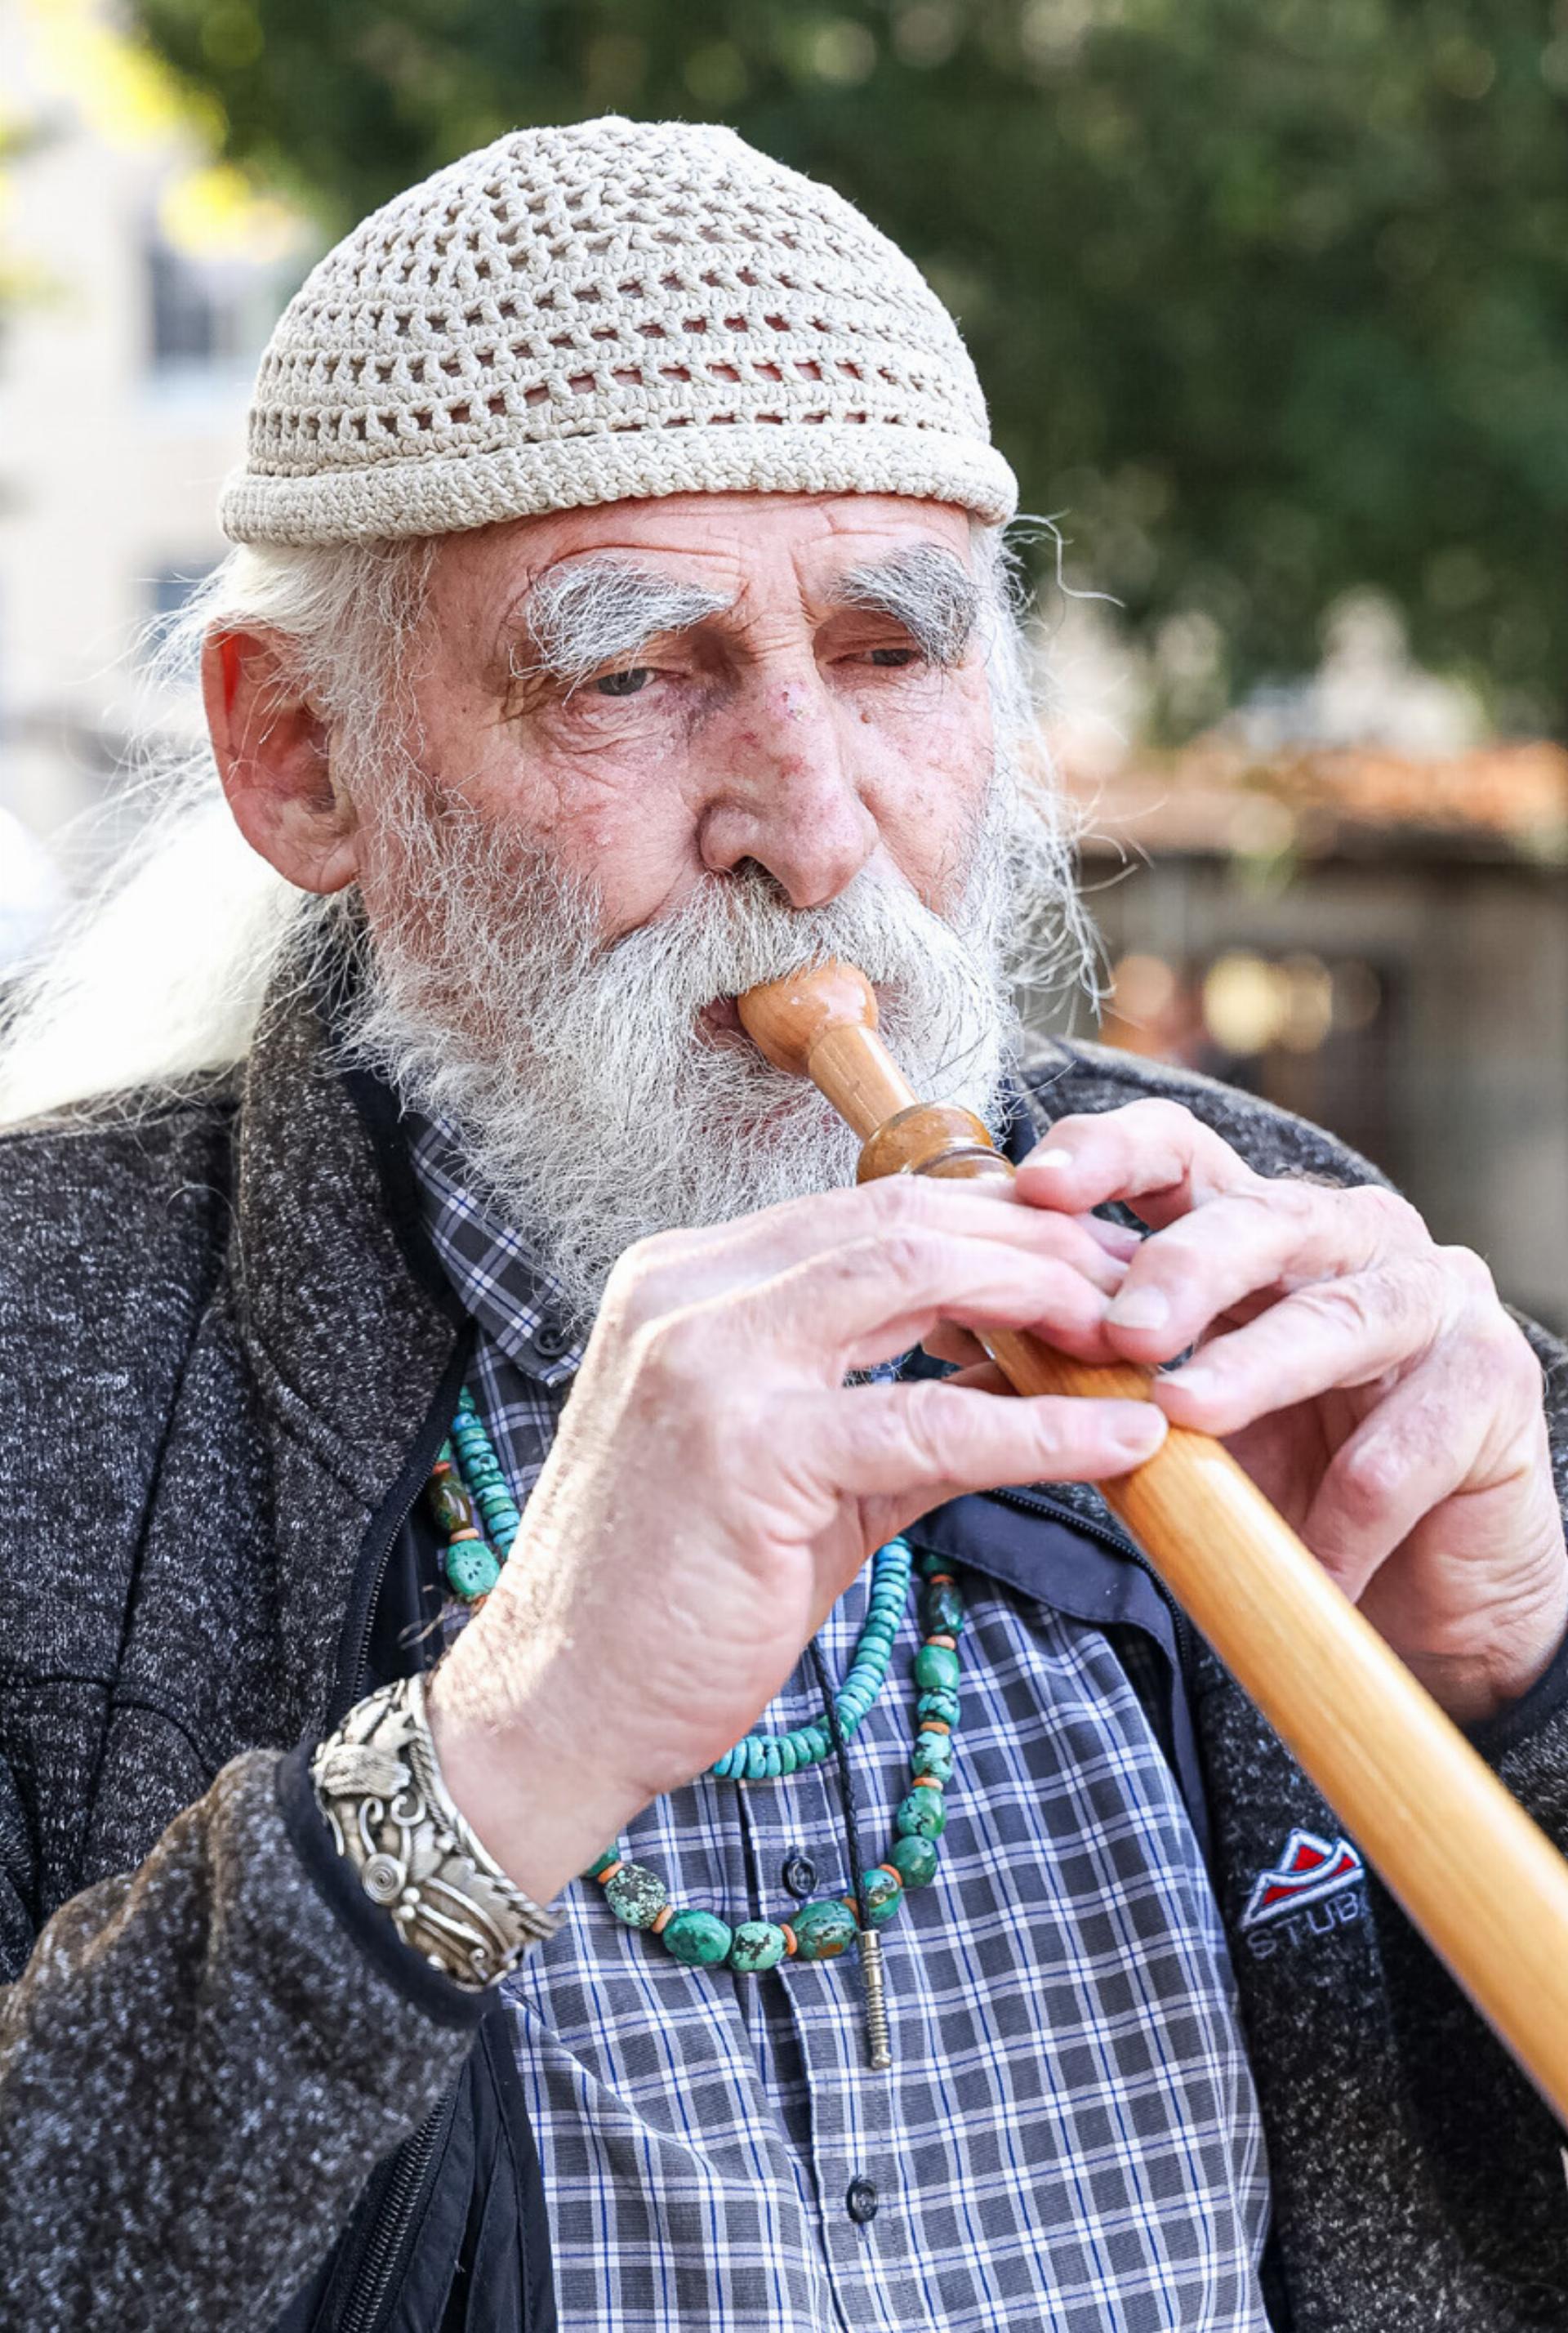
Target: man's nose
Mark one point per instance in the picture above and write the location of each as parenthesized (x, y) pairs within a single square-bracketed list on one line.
[(785, 794)]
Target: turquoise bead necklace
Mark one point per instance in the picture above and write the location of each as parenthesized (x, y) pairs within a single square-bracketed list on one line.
[(467, 1480), (764, 1757), (468, 1489)]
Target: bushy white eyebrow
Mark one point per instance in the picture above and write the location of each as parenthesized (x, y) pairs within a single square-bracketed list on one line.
[(602, 611), (597, 612), (924, 588)]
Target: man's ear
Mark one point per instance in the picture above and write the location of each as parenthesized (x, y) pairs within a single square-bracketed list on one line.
[(272, 750)]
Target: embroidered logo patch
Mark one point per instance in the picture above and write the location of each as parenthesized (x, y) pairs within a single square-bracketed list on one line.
[(1311, 1871)]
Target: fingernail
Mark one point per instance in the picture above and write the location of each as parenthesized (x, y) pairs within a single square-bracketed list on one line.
[(1055, 1159), (1139, 1433), (1139, 1307), (1199, 1379)]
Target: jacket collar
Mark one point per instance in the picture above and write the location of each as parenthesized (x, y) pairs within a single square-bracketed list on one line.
[(347, 1323)]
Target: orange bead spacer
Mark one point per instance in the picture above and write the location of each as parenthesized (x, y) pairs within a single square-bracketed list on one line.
[(893, 1871), (457, 1537), (926, 1782), (609, 1872), (442, 1466), (657, 1927), (948, 1644), (934, 1725), (941, 1579), (790, 1947)]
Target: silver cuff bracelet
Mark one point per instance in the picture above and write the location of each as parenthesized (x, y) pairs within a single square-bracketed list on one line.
[(378, 1784)]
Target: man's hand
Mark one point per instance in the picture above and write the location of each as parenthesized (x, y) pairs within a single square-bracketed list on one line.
[(715, 1486), (1369, 1382)]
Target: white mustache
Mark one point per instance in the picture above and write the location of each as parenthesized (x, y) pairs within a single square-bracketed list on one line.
[(588, 1106)]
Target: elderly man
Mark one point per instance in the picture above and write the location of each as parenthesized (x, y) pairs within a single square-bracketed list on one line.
[(418, 1918)]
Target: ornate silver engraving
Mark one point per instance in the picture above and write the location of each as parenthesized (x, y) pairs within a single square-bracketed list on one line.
[(378, 1784)]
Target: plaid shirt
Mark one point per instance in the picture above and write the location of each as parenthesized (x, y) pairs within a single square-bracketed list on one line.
[(1069, 2136)]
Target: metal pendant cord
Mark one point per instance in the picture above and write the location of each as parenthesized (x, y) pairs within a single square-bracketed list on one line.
[(873, 1978)]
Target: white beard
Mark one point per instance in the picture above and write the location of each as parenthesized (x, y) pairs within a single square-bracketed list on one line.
[(588, 1108)]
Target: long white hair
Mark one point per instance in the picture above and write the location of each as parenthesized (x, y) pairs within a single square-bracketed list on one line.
[(159, 974)]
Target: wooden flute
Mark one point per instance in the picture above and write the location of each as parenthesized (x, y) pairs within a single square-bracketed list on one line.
[(1482, 1883)]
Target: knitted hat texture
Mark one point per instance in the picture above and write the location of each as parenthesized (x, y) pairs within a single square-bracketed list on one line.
[(618, 308)]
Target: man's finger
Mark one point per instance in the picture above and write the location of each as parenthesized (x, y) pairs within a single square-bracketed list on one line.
[(1416, 1449), (1272, 1235), (932, 1441), (1344, 1333), (684, 1268), (878, 1296), (1153, 1154)]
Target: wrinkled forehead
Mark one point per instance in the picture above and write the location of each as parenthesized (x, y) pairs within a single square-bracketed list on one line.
[(733, 542), (563, 591)]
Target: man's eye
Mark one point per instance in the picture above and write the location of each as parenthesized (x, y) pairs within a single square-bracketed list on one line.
[(624, 684), (896, 657)]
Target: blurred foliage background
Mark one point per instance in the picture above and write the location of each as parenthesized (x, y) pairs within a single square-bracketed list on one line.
[(1269, 301)]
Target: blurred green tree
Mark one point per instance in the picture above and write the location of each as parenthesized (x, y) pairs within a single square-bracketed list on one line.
[(1269, 301)]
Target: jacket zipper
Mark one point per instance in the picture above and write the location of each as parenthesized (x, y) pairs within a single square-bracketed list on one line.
[(410, 2168), (405, 2185), (354, 1664)]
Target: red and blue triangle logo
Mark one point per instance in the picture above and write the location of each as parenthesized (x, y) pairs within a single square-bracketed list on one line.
[(1309, 1869)]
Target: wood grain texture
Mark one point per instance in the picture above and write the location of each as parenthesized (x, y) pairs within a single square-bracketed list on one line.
[(1481, 1882), (1485, 1887)]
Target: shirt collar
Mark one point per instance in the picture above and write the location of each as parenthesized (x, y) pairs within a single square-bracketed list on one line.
[(498, 1280)]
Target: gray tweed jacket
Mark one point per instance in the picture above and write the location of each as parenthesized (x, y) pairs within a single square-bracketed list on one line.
[(218, 1372)]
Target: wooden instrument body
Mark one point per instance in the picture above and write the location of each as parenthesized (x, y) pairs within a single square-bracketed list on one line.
[(1482, 1883)]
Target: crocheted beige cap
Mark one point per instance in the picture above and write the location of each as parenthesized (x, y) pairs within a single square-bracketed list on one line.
[(618, 308)]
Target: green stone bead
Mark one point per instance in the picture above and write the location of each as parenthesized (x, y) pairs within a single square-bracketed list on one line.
[(923, 1815), (449, 1503), (934, 1667), (700, 1939), (915, 1859), (637, 1896), (880, 1896), (823, 1929), (601, 1863), (471, 1568), (757, 1945), (938, 1704), (932, 1755), (929, 1562), (942, 1612)]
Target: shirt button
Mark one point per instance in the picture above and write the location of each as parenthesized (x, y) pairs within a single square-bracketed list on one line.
[(551, 1340), (800, 1875), (860, 2203)]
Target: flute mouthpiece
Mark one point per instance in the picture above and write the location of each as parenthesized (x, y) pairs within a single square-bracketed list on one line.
[(787, 1019)]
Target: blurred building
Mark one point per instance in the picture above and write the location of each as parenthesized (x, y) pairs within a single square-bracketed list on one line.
[(1376, 941), (150, 282), (1342, 900)]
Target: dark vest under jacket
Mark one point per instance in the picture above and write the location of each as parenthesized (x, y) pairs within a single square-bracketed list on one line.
[(229, 2096)]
